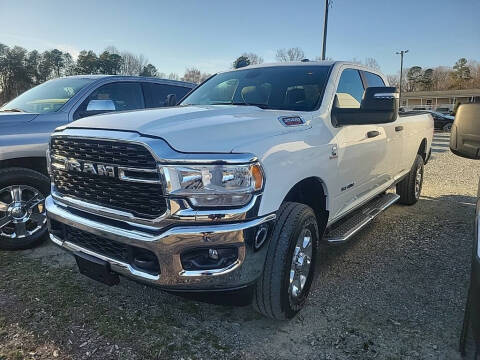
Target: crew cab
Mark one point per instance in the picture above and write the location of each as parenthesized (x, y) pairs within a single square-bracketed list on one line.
[(234, 189), (26, 123)]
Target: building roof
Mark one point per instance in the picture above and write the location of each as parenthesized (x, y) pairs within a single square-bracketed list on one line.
[(441, 93)]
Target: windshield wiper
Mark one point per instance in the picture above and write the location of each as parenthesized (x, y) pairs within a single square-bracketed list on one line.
[(12, 110), (261, 106)]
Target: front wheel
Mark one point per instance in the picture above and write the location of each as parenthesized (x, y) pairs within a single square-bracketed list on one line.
[(410, 187), (288, 273), (23, 221)]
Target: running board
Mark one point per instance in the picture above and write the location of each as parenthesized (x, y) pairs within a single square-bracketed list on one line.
[(344, 229)]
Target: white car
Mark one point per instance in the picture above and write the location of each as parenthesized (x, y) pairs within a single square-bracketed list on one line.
[(234, 189)]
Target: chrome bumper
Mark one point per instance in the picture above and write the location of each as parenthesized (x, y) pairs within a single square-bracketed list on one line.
[(168, 245)]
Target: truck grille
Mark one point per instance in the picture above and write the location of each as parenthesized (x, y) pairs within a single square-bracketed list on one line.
[(102, 151), (143, 200)]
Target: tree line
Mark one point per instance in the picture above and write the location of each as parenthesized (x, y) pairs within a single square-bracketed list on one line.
[(21, 69), (464, 74)]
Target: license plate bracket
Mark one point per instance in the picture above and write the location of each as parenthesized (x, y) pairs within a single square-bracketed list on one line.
[(96, 269)]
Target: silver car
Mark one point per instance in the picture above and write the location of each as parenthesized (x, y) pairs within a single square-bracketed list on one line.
[(26, 123)]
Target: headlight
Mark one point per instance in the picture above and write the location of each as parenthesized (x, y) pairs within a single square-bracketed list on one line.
[(214, 185)]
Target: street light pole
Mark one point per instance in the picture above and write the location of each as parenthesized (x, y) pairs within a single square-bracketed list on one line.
[(401, 53), (325, 21)]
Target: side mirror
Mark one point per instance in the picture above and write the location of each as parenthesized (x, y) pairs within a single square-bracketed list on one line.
[(379, 105), (100, 106), (465, 135), (171, 100)]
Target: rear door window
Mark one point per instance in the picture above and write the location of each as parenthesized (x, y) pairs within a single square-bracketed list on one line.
[(156, 94), (373, 80)]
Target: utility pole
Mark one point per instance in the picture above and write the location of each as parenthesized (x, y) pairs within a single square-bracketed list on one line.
[(401, 53), (325, 21)]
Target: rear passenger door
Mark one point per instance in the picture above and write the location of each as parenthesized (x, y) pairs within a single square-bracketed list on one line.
[(156, 94), (394, 132), (362, 159)]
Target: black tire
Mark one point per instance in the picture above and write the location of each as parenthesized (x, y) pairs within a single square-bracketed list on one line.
[(272, 293), (407, 188), (467, 346), (32, 179), (447, 127)]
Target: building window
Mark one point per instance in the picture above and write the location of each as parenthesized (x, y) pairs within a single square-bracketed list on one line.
[(404, 102), (429, 102)]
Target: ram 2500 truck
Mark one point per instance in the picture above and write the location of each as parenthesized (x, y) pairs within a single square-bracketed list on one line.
[(235, 189)]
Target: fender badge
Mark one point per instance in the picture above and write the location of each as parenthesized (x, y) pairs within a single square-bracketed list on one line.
[(293, 120), (334, 153)]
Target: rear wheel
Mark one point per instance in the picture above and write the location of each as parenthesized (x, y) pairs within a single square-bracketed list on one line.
[(23, 221), (288, 273), (410, 187), (447, 127)]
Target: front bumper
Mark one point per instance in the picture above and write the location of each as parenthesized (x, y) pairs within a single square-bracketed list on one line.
[(168, 245)]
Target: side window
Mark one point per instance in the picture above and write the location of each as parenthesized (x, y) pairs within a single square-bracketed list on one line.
[(156, 94), (373, 80), (350, 89), (119, 96)]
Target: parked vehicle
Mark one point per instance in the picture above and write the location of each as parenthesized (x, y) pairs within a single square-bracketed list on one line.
[(26, 123), (465, 142), (445, 110), (442, 121), (234, 189)]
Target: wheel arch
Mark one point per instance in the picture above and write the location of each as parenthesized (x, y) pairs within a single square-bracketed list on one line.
[(311, 191), (422, 150), (38, 163)]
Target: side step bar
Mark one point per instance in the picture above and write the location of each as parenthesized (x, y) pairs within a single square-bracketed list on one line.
[(344, 229)]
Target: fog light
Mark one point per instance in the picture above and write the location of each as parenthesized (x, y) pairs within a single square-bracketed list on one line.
[(213, 254), (208, 258)]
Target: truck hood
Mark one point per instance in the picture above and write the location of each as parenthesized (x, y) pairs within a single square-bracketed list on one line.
[(16, 117), (218, 128)]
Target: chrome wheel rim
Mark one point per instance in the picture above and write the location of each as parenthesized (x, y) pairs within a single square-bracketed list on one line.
[(22, 211), (447, 128), (418, 182), (300, 266)]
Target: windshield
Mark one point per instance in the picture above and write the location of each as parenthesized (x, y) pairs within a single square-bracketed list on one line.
[(283, 87), (47, 97)]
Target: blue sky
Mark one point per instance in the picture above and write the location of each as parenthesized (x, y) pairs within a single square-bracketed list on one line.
[(210, 34)]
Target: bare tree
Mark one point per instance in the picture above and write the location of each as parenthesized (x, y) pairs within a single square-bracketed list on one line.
[(440, 78), (173, 76), (394, 80), (192, 75), (132, 64), (372, 63), (254, 58), (475, 73), (292, 54)]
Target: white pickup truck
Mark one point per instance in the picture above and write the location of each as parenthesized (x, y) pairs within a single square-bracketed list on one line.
[(235, 189)]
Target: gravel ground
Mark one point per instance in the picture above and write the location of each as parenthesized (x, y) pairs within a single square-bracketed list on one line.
[(396, 291)]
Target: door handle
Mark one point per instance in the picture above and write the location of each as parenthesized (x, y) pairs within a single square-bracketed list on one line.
[(372, 134), (398, 128)]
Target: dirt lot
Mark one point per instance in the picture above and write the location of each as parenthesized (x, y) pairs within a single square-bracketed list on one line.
[(396, 291)]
